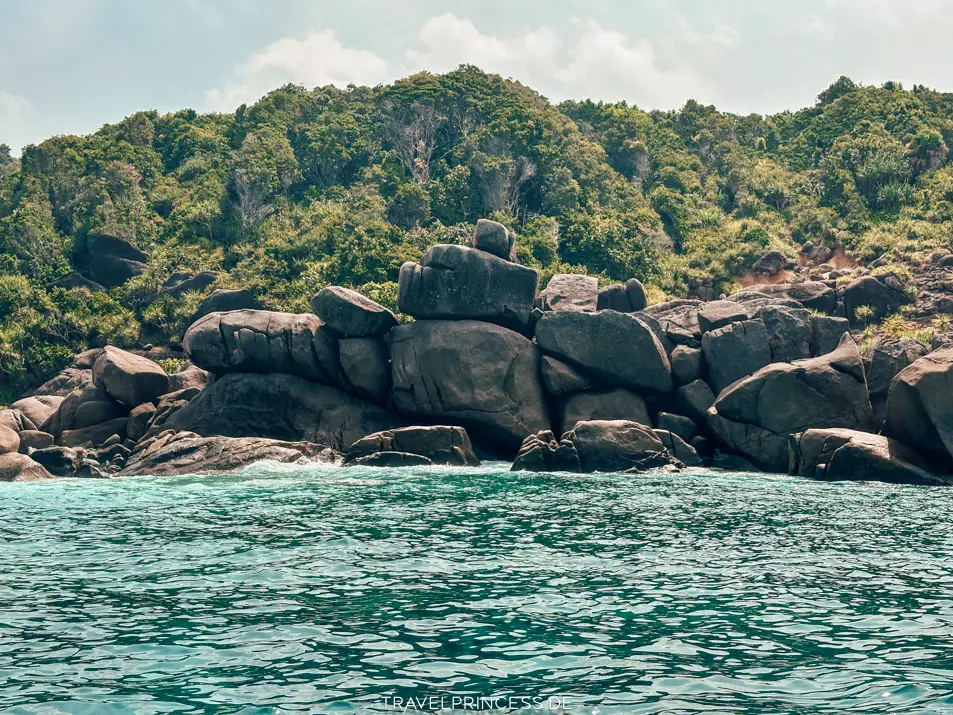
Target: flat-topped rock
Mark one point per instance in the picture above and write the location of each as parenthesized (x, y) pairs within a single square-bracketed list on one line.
[(613, 347), (263, 341), (813, 295), (570, 292), (188, 453), (350, 313), (456, 282), (720, 313)]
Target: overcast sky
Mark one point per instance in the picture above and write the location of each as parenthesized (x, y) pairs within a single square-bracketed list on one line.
[(69, 66)]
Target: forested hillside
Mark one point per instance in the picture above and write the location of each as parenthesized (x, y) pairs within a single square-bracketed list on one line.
[(339, 186)]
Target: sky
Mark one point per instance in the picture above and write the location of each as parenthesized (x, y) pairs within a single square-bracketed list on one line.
[(70, 66)]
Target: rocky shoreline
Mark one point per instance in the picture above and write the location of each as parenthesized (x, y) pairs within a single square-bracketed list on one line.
[(570, 378)]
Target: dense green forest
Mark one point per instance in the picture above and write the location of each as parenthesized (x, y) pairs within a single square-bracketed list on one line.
[(340, 186)]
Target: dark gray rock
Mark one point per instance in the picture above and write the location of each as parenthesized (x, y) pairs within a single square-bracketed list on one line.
[(223, 301), (456, 282), (481, 376), (613, 347), (542, 452), (262, 341), (920, 408), (139, 420), (679, 448), (826, 333), (58, 461), (187, 453), (604, 404), (770, 263), (613, 297), (756, 415), (494, 238), (113, 260), (694, 399), (735, 351), (679, 320), (190, 377), (732, 462), (680, 425), (440, 444), (813, 295), (83, 407), (184, 283), (688, 364), (849, 455), (365, 363), (789, 332), (34, 439), (561, 378), (72, 281), (350, 313), (570, 292), (883, 294), (63, 384), (887, 360), (638, 298), (720, 313), (282, 407), (95, 435), (614, 446), (16, 467), (129, 379)]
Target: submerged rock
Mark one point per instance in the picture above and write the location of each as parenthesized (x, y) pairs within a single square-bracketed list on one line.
[(188, 453)]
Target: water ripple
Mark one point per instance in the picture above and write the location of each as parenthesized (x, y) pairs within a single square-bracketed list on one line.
[(282, 590)]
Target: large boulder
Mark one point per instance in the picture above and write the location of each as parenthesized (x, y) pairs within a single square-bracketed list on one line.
[(679, 320), (604, 404), (542, 452), (570, 292), (843, 454), (735, 351), (113, 260), (95, 435), (720, 313), (694, 399), (64, 383), (263, 341), (826, 333), (813, 295), (279, 406), (351, 313), (613, 347), (882, 294), (15, 420), (456, 282), (688, 364), (225, 300), (628, 297), (789, 332), (561, 378), (495, 238), (756, 415), (16, 467), (139, 420), (38, 408), (9, 440), (440, 444), (920, 408), (59, 461), (479, 375), (83, 407), (365, 363), (614, 446), (679, 448), (188, 453), (129, 379), (34, 439), (887, 359)]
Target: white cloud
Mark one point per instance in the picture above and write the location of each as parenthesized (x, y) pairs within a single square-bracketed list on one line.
[(12, 105), (587, 60), (317, 59)]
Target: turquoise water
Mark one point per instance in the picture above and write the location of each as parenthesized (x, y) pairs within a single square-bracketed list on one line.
[(287, 590)]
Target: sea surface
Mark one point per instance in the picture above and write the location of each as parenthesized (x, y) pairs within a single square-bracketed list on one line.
[(328, 590)]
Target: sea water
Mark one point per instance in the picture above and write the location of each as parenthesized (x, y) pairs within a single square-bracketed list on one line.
[(329, 590)]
